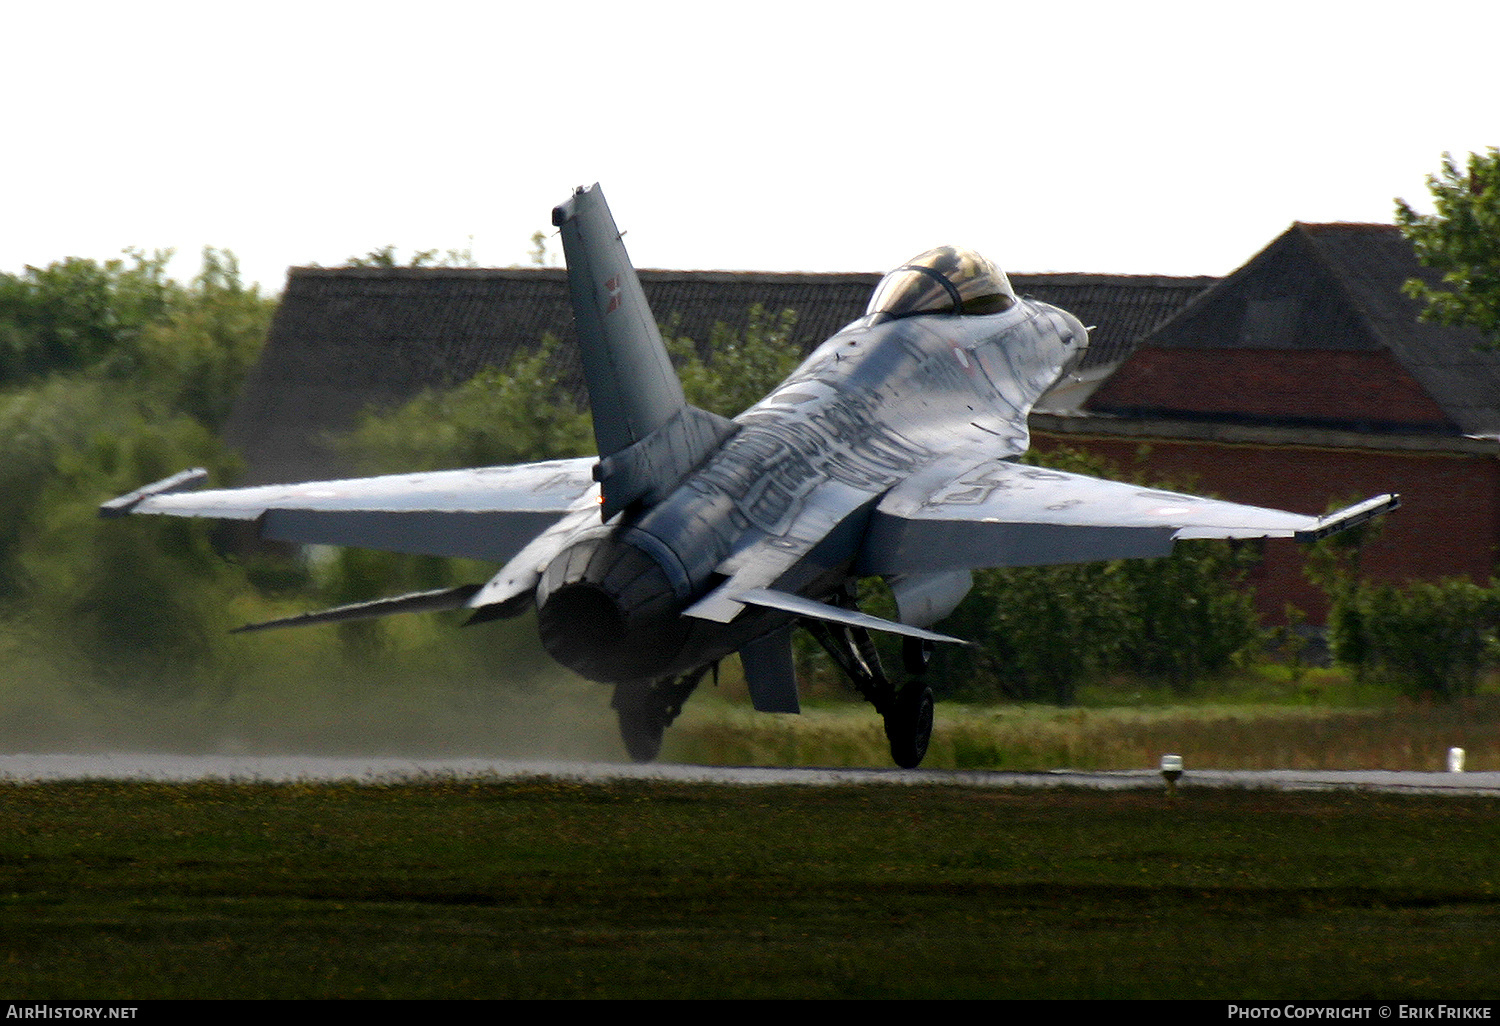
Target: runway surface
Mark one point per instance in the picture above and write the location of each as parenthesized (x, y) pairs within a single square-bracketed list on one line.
[(286, 769)]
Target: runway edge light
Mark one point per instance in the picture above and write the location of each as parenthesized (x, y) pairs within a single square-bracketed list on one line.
[(1171, 770)]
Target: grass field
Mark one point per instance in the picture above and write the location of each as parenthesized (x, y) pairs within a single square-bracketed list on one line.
[(1035, 737), (546, 888)]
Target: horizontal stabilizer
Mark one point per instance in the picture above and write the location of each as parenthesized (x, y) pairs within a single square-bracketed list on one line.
[(815, 610), (417, 602)]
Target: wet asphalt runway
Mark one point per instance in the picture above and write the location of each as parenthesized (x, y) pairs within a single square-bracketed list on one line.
[(285, 769)]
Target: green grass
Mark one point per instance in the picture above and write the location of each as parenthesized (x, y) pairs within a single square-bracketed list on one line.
[(1035, 737), (546, 888)]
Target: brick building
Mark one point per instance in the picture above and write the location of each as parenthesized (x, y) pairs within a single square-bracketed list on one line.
[(1304, 377)]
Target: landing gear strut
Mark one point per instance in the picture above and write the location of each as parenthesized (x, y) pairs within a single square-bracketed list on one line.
[(916, 653), (646, 710), (907, 712)]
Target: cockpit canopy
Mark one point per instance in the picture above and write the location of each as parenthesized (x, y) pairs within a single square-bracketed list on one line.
[(946, 280)]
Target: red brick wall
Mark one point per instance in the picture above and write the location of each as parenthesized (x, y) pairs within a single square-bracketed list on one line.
[(1448, 524), (1275, 383)]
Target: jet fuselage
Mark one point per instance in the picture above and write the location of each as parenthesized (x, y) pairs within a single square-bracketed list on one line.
[(788, 493)]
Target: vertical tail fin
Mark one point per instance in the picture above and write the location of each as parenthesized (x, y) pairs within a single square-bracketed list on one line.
[(649, 437), (632, 387)]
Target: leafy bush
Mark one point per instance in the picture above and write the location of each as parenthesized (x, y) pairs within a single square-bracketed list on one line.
[(1432, 639)]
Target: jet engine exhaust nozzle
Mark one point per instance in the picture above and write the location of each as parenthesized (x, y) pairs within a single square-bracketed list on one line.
[(607, 611)]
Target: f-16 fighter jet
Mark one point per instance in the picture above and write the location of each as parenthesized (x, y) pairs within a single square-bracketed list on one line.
[(890, 451)]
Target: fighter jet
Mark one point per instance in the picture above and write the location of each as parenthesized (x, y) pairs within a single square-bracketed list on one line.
[(890, 452)]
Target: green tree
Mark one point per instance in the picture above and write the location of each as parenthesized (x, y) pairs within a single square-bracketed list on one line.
[(1430, 639), (735, 369), (1044, 630), (1461, 239), (524, 411), (194, 355), (74, 313), (1190, 615), (187, 345)]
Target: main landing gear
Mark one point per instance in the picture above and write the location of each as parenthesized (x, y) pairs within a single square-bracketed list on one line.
[(907, 712), (647, 710)]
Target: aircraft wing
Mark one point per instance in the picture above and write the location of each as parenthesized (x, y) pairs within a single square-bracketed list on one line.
[(488, 513), (1000, 513)]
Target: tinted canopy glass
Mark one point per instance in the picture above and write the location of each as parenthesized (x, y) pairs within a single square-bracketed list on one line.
[(947, 280)]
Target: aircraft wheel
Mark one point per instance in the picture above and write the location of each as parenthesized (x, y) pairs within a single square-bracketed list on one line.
[(908, 725), (641, 722)]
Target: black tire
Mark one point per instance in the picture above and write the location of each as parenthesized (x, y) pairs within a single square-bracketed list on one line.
[(908, 726)]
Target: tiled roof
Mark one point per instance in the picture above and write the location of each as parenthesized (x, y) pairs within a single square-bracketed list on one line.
[(1120, 308), (1372, 262), (345, 339), (1321, 288)]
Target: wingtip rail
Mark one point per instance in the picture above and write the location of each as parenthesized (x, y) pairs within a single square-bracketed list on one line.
[(179, 482), (1350, 516)]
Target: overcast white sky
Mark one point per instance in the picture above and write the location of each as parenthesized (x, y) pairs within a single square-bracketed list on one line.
[(1144, 137)]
